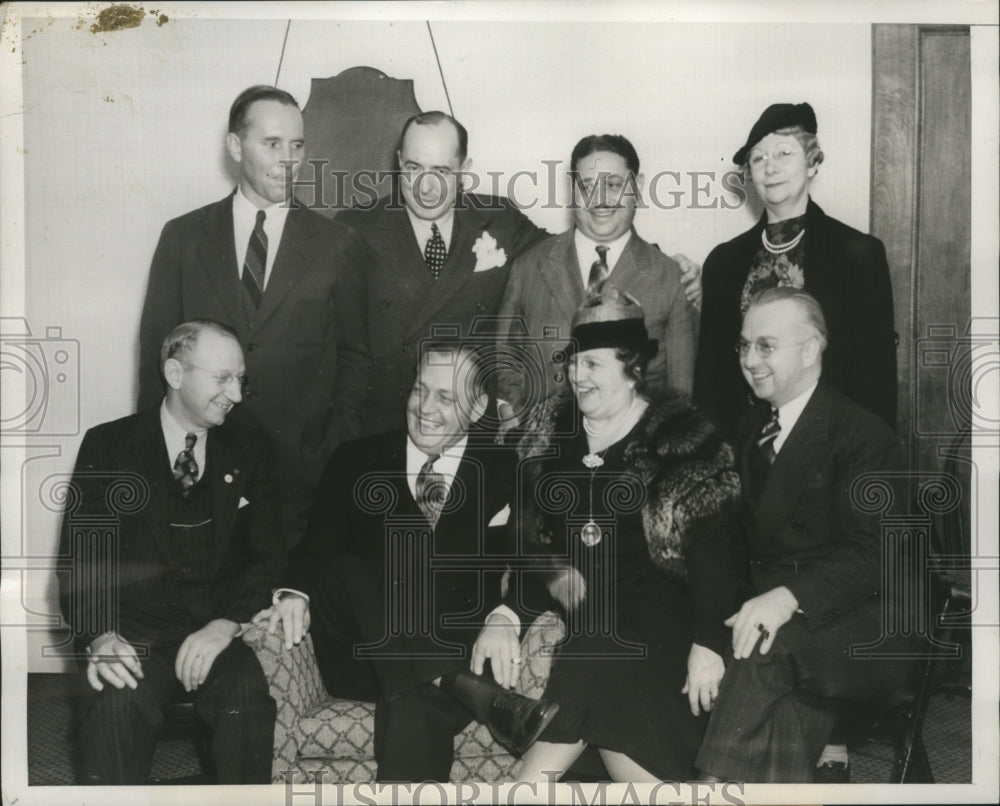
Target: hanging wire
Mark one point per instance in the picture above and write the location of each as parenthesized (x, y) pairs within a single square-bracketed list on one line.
[(440, 71), (282, 57)]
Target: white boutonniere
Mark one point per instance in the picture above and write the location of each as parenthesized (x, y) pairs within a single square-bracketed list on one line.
[(593, 461), (488, 256)]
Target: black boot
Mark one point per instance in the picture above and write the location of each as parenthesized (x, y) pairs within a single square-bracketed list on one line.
[(515, 720)]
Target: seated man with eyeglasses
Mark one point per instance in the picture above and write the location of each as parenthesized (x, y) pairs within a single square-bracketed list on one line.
[(816, 559), (173, 525)]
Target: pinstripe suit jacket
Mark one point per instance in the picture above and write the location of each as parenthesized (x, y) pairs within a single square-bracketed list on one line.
[(137, 569), (546, 288)]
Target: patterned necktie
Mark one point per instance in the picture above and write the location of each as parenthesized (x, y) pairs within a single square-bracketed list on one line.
[(598, 271), (253, 266), (768, 434), (185, 466), (435, 253), (431, 491)]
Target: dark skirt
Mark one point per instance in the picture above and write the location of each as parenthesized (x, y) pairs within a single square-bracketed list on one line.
[(622, 691)]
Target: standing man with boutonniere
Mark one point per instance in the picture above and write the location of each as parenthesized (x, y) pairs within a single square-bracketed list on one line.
[(550, 281), (195, 550), (436, 256)]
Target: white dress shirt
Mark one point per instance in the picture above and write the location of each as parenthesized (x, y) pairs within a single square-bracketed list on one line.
[(174, 435), (422, 229), (447, 463), (586, 252), (245, 219), (788, 416)]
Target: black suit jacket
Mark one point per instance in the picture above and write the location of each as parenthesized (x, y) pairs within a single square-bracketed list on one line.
[(804, 530), (364, 495), (847, 272), (306, 349), (123, 470), (405, 302)]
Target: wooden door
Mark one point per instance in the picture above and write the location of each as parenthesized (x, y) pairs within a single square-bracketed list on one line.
[(921, 209)]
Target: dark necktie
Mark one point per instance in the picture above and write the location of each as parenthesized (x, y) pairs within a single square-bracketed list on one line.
[(253, 266), (185, 466), (431, 491), (435, 253), (768, 434), (598, 271)]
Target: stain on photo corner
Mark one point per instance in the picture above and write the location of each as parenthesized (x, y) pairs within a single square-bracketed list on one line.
[(120, 17)]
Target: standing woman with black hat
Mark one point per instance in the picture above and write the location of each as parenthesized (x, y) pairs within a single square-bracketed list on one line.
[(796, 244), (629, 500)]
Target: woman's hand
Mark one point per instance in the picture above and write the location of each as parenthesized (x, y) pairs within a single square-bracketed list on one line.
[(705, 671), (497, 642)]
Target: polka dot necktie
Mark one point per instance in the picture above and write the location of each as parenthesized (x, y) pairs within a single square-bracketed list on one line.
[(598, 271), (768, 434), (185, 466), (435, 253)]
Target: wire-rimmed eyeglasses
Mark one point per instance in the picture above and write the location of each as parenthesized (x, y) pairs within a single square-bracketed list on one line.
[(222, 377), (764, 347)]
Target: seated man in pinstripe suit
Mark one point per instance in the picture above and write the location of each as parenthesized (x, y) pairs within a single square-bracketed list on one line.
[(815, 558), (195, 555)]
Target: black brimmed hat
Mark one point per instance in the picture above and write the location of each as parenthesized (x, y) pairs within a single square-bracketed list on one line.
[(611, 319), (777, 116)]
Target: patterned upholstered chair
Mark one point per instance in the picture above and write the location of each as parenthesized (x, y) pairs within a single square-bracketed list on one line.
[(316, 732)]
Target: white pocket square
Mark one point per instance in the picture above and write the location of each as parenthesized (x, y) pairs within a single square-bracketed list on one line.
[(500, 519), (243, 503)]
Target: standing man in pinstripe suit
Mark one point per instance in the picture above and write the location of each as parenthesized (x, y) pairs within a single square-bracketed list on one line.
[(815, 558), (196, 555)]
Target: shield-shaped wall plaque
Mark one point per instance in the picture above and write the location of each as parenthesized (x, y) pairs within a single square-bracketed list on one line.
[(352, 126)]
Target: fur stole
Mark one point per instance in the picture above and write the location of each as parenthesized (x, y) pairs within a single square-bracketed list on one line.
[(686, 468)]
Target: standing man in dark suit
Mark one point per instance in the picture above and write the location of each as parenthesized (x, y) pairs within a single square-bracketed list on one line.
[(287, 280), (550, 282), (197, 555), (400, 535), (437, 256), (815, 559)]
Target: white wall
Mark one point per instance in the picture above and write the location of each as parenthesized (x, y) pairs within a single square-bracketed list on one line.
[(124, 131)]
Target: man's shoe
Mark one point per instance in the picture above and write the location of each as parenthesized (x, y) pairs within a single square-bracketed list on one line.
[(833, 772), (517, 721)]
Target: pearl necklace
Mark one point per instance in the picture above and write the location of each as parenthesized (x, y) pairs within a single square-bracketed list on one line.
[(611, 427), (781, 249)]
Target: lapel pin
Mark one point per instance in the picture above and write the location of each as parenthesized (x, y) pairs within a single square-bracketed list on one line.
[(228, 478)]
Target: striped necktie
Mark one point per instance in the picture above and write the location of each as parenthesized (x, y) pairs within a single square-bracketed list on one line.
[(598, 271), (431, 491), (253, 266), (768, 434)]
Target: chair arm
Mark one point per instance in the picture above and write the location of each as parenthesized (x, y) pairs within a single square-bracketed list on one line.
[(294, 682), (293, 673), (537, 647)]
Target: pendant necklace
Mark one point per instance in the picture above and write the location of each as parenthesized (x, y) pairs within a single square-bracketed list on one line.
[(591, 532)]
